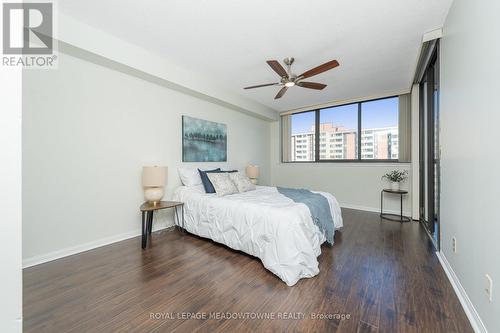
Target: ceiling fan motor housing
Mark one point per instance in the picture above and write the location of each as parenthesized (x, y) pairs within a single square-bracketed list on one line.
[(291, 78)]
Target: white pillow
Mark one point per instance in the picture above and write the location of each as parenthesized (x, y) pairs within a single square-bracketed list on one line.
[(189, 176), (223, 185), (242, 182)]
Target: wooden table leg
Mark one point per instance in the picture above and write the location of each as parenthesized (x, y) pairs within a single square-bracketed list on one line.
[(144, 233), (176, 217), (150, 222)]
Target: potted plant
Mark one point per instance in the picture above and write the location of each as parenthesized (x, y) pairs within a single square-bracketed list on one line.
[(396, 177)]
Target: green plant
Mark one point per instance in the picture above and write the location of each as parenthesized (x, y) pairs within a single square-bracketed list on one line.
[(397, 176)]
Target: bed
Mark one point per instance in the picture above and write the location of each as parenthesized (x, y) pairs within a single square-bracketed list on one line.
[(263, 223)]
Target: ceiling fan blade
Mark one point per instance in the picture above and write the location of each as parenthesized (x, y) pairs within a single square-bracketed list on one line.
[(320, 69), (262, 85), (281, 92), (276, 66), (312, 85)]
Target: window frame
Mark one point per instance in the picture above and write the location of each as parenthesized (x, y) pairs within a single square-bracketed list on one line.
[(317, 138)]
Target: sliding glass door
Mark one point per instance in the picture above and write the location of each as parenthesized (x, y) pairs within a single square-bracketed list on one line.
[(429, 148)]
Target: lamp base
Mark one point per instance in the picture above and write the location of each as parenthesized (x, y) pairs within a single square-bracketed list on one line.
[(153, 194), (253, 181)]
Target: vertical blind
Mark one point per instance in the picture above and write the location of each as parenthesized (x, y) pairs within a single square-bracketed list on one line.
[(405, 128), (286, 134)]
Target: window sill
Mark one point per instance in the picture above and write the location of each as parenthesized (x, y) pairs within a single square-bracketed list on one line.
[(352, 162)]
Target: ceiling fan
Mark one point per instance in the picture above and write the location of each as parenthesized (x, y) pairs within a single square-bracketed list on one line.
[(288, 79)]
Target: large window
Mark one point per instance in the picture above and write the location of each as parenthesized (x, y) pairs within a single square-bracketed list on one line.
[(364, 131), (302, 140), (338, 130), (379, 129)]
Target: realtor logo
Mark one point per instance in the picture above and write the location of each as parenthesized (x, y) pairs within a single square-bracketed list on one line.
[(28, 31)]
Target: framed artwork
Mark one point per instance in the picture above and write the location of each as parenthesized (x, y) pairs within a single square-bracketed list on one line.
[(203, 140)]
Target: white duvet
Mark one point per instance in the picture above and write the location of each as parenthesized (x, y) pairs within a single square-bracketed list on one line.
[(263, 223)]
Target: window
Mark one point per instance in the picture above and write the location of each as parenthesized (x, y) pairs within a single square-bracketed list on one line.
[(379, 129), (340, 122), (302, 139), (364, 131)]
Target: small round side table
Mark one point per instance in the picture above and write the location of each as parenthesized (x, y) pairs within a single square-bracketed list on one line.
[(393, 217), (148, 209)]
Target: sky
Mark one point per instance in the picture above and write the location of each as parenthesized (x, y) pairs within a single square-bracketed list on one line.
[(379, 113)]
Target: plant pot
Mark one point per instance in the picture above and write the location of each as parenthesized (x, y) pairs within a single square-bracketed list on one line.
[(395, 186)]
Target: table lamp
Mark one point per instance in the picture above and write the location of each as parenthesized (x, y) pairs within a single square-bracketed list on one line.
[(253, 173), (153, 181)]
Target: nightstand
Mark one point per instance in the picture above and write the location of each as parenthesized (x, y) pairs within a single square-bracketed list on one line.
[(393, 217), (148, 210)]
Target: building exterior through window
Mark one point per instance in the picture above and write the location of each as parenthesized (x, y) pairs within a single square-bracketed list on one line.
[(338, 142)]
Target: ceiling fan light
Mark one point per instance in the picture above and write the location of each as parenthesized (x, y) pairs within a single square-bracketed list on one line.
[(289, 84)]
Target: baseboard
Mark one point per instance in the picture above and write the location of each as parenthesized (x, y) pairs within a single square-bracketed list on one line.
[(374, 209), (40, 259), (470, 311)]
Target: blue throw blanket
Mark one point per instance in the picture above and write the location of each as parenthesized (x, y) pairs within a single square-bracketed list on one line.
[(318, 206)]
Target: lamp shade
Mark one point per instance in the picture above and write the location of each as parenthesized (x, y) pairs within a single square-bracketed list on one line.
[(154, 176), (252, 171)]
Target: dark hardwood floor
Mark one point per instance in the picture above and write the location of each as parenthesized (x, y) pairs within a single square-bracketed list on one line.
[(380, 276)]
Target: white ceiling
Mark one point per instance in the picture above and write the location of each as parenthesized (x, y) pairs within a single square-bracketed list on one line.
[(375, 42)]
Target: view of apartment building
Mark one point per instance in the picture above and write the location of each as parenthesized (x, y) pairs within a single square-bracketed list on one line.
[(338, 142)]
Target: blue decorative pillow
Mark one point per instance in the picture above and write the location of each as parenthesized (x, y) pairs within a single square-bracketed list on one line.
[(209, 188)]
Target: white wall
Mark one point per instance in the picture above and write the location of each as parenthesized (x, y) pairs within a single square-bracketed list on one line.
[(355, 185), (86, 37), (10, 200), (87, 132), (470, 68)]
